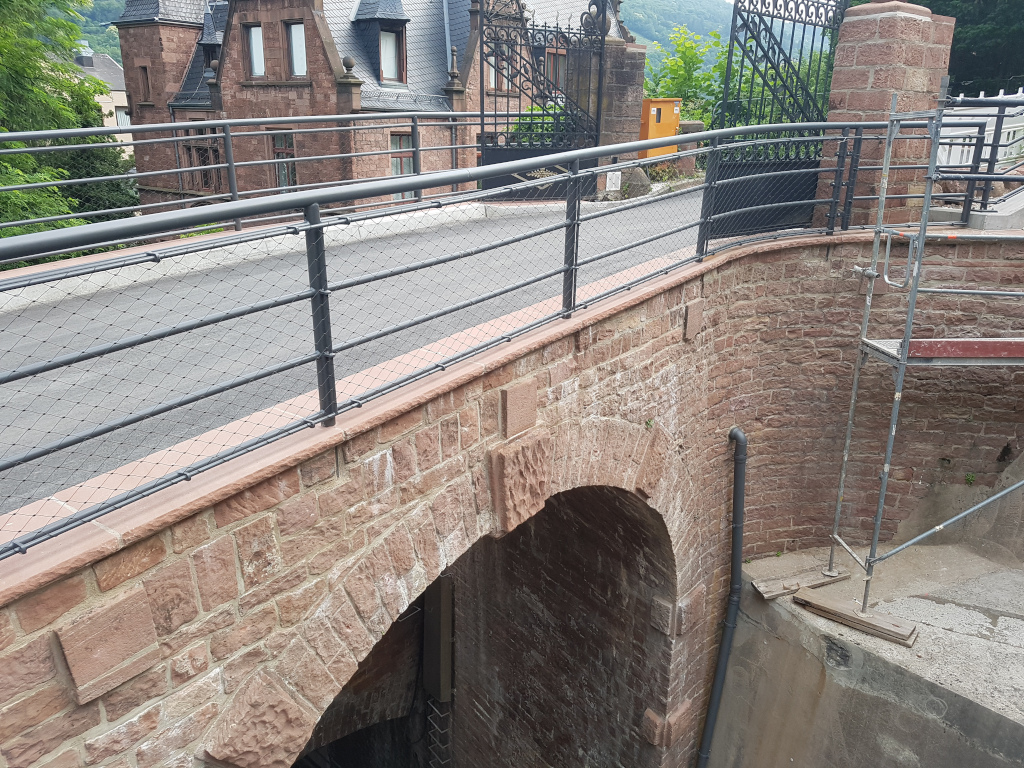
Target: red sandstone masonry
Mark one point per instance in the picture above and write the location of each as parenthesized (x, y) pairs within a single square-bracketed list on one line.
[(249, 586)]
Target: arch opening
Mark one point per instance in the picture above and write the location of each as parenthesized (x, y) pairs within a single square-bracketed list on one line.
[(554, 655)]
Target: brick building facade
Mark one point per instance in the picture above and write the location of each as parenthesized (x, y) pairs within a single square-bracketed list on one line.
[(189, 60)]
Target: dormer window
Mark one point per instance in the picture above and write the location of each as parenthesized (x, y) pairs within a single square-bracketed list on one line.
[(254, 42), (392, 54)]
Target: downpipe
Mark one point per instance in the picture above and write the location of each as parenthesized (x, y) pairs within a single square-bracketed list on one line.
[(739, 478)]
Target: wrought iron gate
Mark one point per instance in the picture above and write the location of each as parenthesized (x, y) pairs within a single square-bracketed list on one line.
[(779, 70), (540, 86)]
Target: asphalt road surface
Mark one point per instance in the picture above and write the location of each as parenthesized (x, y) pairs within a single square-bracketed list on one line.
[(76, 314)]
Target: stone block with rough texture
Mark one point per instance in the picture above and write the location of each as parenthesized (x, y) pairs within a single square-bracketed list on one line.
[(520, 472), (262, 728)]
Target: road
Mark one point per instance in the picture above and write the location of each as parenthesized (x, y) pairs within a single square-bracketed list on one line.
[(74, 315)]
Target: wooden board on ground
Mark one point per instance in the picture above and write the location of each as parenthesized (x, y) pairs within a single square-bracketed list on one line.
[(847, 612), (812, 579)]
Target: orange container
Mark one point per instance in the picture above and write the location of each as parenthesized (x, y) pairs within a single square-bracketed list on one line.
[(660, 118)]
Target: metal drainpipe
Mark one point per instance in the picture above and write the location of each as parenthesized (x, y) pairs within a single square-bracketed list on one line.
[(739, 477)]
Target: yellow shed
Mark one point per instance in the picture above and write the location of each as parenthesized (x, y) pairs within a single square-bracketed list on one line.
[(660, 118)]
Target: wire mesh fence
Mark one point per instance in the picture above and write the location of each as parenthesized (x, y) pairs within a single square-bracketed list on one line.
[(52, 179), (124, 373)]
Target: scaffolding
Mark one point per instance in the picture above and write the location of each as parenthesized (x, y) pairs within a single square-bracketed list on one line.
[(908, 351)]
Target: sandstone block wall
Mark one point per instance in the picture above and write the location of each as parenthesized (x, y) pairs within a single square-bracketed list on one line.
[(887, 48), (225, 632)]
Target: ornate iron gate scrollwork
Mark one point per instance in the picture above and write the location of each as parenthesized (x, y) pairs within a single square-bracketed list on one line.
[(779, 70), (540, 84)]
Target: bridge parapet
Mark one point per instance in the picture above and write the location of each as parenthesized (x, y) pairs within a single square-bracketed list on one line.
[(221, 617)]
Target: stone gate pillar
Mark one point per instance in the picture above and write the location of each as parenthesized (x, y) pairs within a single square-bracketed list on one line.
[(886, 48)]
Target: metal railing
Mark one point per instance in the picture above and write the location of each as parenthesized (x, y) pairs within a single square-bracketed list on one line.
[(172, 166), (995, 151), (125, 373)]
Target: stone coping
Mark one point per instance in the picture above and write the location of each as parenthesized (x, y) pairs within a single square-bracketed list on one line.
[(49, 561)]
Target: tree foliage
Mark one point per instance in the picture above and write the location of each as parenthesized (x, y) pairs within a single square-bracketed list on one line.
[(988, 42), (41, 88), (95, 27), (654, 21), (692, 70)]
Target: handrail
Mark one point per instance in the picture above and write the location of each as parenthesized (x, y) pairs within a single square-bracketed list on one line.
[(941, 526), (70, 133), (90, 235)]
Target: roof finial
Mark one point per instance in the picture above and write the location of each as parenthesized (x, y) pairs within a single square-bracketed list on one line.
[(453, 73)]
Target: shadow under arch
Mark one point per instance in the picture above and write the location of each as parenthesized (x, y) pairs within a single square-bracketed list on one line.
[(555, 658)]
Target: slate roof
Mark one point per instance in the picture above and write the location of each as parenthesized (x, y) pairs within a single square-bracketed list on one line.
[(103, 68), (380, 9), (427, 49), (194, 90), (428, 43), (433, 27), (182, 11)]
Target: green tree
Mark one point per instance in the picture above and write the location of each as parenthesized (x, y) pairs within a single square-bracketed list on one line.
[(95, 27), (42, 89), (987, 44), (691, 70)]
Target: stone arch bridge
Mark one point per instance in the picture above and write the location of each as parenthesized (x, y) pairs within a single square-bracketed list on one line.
[(520, 561)]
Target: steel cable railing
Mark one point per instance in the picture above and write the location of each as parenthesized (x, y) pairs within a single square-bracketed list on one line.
[(125, 373)]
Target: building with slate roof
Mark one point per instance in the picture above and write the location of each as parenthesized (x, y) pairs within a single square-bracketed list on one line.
[(188, 60), (115, 103)]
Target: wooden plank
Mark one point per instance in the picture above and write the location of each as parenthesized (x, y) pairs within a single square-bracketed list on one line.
[(787, 585), (846, 612), (954, 348)]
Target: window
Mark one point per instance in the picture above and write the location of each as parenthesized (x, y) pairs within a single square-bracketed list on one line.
[(284, 148), (254, 40), (497, 73), (296, 48), (657, 115), (555, 67), (201, 151), (147, 97), (392, 55), (121, 116), (401, 161)]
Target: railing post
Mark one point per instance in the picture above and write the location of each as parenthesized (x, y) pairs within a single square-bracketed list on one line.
[(572, 239), (316, 261), (707, 205), (837, 183), (993, 158), (851, 181), (229, 160), (972, 184), (417, 166)]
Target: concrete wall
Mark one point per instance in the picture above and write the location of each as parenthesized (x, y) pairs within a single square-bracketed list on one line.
[(794, 697), (223, 617)]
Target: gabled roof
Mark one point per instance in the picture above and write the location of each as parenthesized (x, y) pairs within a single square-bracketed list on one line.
[(380, 10), (102, 68), (177, 11)]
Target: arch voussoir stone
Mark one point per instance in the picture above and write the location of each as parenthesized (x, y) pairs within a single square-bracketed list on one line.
[(264, 727)]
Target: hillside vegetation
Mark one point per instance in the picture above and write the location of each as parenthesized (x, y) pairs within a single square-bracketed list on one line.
[(655, 20), (102, 39)]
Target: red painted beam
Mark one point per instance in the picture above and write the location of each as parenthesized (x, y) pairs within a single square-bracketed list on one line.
[(991, 348)]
